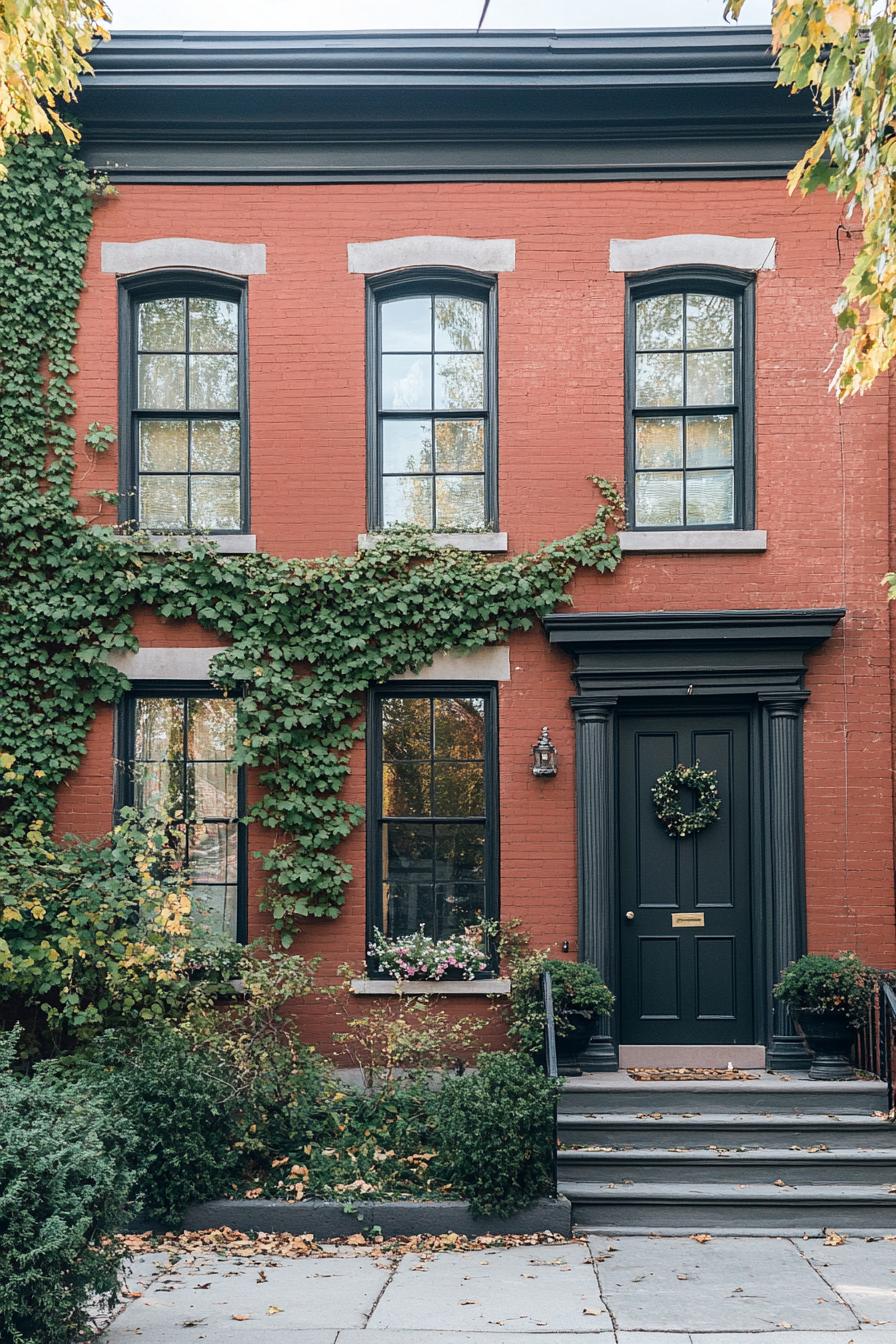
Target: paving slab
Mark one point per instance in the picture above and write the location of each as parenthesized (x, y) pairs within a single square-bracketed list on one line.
[(310, 1298), (727, 1285), (519, 1289), (860, 1335), (476, 1337), (862, 1272)]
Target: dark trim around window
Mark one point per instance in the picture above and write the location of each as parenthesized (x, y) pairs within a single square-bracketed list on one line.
[(124, 783), (174, 283), (404, 284), (374, 747), (739, 285)]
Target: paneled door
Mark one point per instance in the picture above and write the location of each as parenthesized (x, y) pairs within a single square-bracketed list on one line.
[(686, 927)]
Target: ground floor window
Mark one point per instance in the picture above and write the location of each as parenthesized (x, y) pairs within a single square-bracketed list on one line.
[(178, 745), (432, 809)]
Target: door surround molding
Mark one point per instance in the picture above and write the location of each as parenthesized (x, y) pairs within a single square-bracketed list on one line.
[(641, 659)]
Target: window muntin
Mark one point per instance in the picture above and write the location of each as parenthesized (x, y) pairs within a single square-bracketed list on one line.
[(432, 404), (179, 764), (434, 824), (187, 412), (687, 405)]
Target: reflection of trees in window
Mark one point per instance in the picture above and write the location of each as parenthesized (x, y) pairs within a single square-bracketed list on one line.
[(433, 812)]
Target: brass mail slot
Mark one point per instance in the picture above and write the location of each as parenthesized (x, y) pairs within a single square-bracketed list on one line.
[(688, 921)]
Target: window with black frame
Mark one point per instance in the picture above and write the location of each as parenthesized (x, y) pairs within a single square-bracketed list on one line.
[(184, 405), (431, 402), (689, 391), (433, 809), (178, 764)]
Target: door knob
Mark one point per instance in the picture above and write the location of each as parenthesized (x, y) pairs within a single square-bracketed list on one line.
[(629, 914)]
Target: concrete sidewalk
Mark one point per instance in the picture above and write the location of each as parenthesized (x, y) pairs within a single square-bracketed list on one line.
[(620, 1290)]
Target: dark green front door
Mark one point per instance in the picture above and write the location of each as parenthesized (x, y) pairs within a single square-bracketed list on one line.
[(685, 919)]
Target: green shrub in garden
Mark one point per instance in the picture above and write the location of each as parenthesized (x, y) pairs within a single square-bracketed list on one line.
[(496, 1134), (64, 1185), (842, 985), (180, 1112), (578, 989)]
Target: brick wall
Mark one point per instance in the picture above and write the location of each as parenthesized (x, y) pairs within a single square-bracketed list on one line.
[(823, 488)]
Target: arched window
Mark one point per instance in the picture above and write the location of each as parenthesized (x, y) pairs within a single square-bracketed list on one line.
[(183, 403), (431, 407), (689, 396)]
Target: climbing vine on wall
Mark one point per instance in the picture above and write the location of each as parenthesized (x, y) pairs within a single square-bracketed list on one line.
[(307, 637)]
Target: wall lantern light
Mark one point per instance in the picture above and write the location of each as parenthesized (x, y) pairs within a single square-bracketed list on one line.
[(544, 756)]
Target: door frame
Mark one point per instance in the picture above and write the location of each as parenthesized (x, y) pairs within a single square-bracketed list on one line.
[(760, 950), (642, 660)]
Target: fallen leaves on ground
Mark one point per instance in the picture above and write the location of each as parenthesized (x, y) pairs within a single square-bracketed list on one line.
[(228, 1241), (832, 1238), (701, 1237)]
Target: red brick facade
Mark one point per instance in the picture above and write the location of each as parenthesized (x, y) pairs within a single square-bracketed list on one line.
[(823, 484)]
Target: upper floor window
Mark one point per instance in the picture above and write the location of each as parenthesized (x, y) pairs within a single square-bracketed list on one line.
[(184, 404), (177, 749), (689, 388), (432, 832), (431, 401)]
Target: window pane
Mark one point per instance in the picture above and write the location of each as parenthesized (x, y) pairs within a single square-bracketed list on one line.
[(406, 324), (407, 852), (158, 729), (211, 849), (406, 723), (211, 787), (658, 441), (659, 322), (460, 853), (458, 789), (711, 378), (710, 497), (213, 324), (407, 789), (160, 325), (157, 787), (213, 382), (458, 905), (215, 445), (163, 445), (710, 440), (460, 502), (211, 729), (460, 445), (215, 503), (161, 382), (658, 380), (459, 323), (710, 321), (407, 499), (407, 382), (407, 905), (407, 445), (214, 908), (658, 499), (460, 382), (163, 502), (459, 727)]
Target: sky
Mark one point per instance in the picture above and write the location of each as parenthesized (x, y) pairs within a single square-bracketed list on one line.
[(329, 15)]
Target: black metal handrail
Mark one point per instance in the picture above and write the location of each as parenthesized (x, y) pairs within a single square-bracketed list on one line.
[(876, 1041), (550, 1057)]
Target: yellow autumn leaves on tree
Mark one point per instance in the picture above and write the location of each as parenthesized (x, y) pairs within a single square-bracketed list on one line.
[(844, 51), (43, 46)]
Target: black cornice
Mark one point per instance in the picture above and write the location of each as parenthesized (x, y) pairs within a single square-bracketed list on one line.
[(451, 106)]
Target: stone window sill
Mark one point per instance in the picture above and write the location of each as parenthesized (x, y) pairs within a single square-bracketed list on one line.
[(683, 543), (228, 543), (463, 541), (498, 985)]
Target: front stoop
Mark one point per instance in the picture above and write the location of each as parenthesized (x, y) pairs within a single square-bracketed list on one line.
[(775, 1154)]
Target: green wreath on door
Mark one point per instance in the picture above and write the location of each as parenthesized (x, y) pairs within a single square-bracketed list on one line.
[(666, 799)]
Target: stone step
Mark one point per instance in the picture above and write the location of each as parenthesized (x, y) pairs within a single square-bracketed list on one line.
[(711, 1207), (639, 1130), (771, 1094), (644, 1166)]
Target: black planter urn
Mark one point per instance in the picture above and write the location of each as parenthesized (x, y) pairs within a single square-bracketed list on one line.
[(573, 1041), (830, 1039)]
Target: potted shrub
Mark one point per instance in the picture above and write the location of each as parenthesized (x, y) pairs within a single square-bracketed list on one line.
[(580, 997), (829, 998), (416, 956)]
